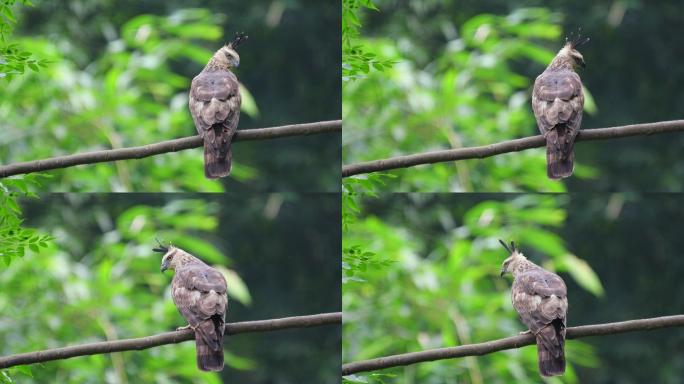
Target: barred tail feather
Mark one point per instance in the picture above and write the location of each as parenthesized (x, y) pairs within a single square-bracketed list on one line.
[(218, 153), (560, 156), (550, 351), (209, 344), (215, 167), (208, 360)]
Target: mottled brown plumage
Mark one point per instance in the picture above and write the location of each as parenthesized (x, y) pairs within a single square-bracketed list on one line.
[(540, 298), (199, 293), (558, 101), (215, 108)]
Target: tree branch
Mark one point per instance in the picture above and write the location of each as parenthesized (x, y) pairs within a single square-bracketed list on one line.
[(164, 147), (516, 145), (509, 343), (167, 338)]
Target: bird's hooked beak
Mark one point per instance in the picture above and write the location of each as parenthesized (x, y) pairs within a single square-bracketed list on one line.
[(164, 265), (235, 62)]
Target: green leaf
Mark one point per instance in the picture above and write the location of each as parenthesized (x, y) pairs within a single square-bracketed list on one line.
[(249, 105), (196, 31), (24, 369), (589, 103), (355, 379), (236, 287), (5, 378), (238, 362), (8, 13), (582, 273)]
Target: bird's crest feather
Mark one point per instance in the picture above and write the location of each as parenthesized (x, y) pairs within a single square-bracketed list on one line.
[(161, 248), (576, 41), (239, 39)]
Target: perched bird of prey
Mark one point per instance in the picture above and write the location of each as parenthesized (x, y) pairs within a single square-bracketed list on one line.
[(558, 101), (215, 107), (199, 292), (540, 297)]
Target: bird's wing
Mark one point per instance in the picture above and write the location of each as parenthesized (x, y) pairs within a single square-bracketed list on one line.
[(215, 99), (539, 297), (199, 292), (557, 98)]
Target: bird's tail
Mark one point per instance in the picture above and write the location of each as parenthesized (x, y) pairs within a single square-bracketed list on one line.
[(217, 152), (209, 344), (560, 156), (551, 349)]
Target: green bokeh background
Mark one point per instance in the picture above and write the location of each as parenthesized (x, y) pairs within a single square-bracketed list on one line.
[(99, 280), (463, 74), (438, 283), (119, 77)]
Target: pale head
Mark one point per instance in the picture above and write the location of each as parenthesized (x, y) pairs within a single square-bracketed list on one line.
[(227, 57), (173, 257), (570, 51), (513, 263)]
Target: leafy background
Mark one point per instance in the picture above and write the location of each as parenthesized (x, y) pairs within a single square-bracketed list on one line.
[(433, 281), (462, 76), (97, 279), (118, 73), (421, 270)]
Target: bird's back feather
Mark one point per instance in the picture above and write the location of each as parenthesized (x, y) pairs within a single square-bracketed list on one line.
[(215, 108), (540, 298), (558, 102), (199, 293)]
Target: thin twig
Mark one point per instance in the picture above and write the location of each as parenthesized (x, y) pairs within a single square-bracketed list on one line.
[(164, 147), (516, 145), (509, 343), (167, 338)]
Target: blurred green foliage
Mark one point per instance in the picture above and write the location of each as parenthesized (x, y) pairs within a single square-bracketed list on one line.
[(122, 80), (130, 96), (13, 58), (16, 239), (443, 288), (464, 75), (466, 93), (356, 60), (419, 269), (99, 280), (355, 257), (619, 254)]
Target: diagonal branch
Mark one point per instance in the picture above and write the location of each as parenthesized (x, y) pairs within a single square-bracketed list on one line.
[(167, 338), (164, 147), (509, 343), (516, 145)]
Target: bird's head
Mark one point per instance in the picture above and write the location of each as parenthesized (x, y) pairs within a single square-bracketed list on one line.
[(173, 257), (227, 55), (169, 251), (570, 51), (512, 262)]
